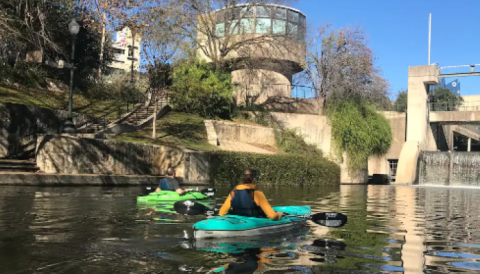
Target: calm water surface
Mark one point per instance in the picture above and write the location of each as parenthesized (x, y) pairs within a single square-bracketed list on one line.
[(103, 230)]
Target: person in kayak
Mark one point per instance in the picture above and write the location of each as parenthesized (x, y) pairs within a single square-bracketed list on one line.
[(170, 183), (244, 200)]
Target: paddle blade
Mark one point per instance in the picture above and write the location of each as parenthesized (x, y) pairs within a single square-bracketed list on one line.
[(189, 207), (209, 192), (329, 219), (147, 190)]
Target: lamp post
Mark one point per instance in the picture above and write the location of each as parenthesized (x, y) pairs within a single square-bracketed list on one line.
[(69, 126)]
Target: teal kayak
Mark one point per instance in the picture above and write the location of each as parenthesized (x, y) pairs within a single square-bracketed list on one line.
[(240, 226), (235, 245), (166, 195)]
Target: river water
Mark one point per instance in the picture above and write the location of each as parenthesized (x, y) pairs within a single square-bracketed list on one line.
[(102, 230)]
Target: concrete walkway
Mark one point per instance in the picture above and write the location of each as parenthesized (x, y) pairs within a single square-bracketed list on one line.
[(242, 147)]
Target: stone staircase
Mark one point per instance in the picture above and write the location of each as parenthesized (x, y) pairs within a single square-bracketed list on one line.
[(18, 166), (143, 113), (137, 117)]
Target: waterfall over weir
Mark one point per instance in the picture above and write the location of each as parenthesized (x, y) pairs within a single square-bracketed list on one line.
[(449, 168)]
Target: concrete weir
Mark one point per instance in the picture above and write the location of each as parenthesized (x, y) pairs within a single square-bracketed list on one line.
[(419, 134)]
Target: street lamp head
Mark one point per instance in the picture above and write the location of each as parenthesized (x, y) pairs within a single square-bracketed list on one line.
[(73, 27)]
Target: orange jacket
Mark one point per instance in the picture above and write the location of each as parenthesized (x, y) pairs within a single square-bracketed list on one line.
[(259, 199)]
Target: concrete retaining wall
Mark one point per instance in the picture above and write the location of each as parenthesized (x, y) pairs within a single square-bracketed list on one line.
[(65, 154), (76, 180), (315, 129), (249, 134)]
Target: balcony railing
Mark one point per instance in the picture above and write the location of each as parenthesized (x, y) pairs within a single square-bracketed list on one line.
[(455, 106)]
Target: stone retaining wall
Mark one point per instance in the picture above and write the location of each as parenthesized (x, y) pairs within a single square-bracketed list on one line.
[(71, 155), (20, 125)]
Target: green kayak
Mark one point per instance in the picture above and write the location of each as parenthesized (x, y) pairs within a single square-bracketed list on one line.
[(166, 195)]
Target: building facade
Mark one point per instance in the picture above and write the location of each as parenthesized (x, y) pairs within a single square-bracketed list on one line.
[(125, 50), (263, 44)]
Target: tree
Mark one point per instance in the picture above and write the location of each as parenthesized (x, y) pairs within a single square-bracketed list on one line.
[(42, 27), (442, 99), (202, 89), (27, 25), (401, 103), (340, 66)]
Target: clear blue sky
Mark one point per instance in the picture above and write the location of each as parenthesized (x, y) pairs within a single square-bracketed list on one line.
[(397, 31)]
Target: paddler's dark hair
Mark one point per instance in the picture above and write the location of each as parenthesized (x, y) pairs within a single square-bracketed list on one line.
[(248, 179)]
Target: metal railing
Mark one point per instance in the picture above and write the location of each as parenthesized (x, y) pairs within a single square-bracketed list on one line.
[(271, 90), (103, 120), (454, 106)]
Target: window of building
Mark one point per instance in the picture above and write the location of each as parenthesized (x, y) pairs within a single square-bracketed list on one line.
[(220, 30), (279, 26), (264, 25), (292, 28), (293, 16), (220, 16), (301, 21), (280, 13), (247, 12), (301, 33), (247, 25), (234, 27), (118, 51), (393, 163), (264, 11)]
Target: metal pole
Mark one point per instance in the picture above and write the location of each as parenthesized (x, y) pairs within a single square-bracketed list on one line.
[(154, 131), (70, 100), (429, 36), (69, 126)]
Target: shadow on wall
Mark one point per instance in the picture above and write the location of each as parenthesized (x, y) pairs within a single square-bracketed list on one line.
[(293, 105), (20, 126), (71, 155)]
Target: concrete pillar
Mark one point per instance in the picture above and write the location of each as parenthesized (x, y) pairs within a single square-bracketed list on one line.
[(419, 78), (469, 147)]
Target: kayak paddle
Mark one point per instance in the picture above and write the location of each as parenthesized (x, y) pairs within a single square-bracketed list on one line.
[(328, 219), (210, 192)]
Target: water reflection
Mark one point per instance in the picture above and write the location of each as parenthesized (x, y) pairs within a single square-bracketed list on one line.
[(390, 230)]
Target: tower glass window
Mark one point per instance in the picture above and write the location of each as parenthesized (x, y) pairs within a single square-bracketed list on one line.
[(220, 30), (263, 25), (293, 16), (280, 13), (262, 19), (247, 25), (264, 11), (292, 28), (234, 27), (279, 26)]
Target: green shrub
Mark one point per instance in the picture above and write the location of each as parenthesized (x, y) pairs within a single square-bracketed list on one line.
[(360, 132), (282, 169), (118, 86), (202, 89), (290, 142)]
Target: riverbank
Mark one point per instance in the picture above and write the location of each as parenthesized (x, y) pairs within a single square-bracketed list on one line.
[(39, 179)]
